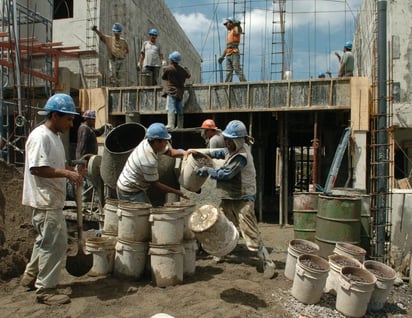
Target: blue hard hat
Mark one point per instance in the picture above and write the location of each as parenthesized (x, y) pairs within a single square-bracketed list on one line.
[(348, 45), (89, 114), (235, 129), (321, 75), (117, 27), (61, 103), (157, 131), (175, 57), (153, 32)]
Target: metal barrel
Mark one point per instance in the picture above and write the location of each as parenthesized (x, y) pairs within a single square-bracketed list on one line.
[(338, 220), (118, 145), (305, 209)]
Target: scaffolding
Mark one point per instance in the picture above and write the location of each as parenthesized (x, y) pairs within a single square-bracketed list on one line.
[(277, 61)]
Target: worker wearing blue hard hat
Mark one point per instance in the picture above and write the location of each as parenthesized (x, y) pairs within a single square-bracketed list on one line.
[(347, 61), (117, 49), (151, 57)]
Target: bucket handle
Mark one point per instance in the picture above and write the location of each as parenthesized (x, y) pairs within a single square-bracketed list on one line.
[(300, 271)]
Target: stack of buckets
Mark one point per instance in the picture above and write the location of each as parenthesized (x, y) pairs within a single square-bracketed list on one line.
[(103, 248), (173, 248), (359, 285), (133, 239)]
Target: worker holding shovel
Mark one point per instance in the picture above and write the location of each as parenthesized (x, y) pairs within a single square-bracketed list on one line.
[(44, 191), (236, 180)]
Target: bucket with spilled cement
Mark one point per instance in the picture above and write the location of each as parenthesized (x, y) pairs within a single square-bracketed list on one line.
[(134, 221), (167, 264), (102, 249), (167, 224), (188, 178)]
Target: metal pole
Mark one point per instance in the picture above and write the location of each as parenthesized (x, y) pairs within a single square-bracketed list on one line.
[(382, 149)]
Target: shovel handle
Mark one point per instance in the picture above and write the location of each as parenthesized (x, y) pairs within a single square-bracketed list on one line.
[(79, 194)]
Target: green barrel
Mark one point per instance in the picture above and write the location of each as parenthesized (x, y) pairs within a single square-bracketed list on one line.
[(338, 220), (305, 208)]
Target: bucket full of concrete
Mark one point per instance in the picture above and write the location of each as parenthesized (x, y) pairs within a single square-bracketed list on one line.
[(188, 177)]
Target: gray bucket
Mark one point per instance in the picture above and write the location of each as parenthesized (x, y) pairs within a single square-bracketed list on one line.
[(118, 145)]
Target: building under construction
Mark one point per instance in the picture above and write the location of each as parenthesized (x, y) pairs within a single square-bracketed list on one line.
[(297, 124)]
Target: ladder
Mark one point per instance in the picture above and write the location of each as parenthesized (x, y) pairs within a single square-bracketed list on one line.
[(337, 160)]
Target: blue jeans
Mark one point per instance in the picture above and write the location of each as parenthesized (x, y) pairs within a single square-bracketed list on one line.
[(174, 105), (133, 196), (233, 64)]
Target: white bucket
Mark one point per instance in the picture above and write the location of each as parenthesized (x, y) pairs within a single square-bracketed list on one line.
[(188, 178), (167, 264), (130, 259), (213, 230), (310, 278), (134, 221), (354, 291), (189, 258), (102, 249), (298, 247), (336, 262), (167, 225), (189, 208), (385, 276), (343, 248), (110, 224)]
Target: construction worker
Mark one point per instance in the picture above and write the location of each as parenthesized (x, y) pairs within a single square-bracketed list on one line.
[(151, 56), (212, 135), (87, 133), (347, 61), (231, 51), (44, 190), (322, 75), (236, 180), (141, 169), (174, 77), (117, 49)]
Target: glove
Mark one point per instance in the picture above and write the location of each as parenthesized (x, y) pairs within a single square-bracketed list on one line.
[(108, 126), (94, 28), (202, 172), (220, 59)]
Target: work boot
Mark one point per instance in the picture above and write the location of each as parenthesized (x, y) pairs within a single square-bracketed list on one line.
[(28, 281), (51, 296), (180, 119), (170, 120)]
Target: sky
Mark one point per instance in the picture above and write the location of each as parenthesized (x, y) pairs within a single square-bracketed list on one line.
[(314, 30)]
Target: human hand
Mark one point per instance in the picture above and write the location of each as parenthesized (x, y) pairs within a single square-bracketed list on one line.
[(202, 172), (182, 195), (163, 63), (220, 59), (108, 126), (94, 28)]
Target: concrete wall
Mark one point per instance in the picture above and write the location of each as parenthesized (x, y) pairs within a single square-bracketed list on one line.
[(136, 17)]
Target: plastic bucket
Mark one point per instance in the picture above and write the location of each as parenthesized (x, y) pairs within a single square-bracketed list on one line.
[(167, 264), (188, 177), (167, 225), (354, 291), (336, 262), (305, 209), (385, 276), (350, 250), (338, 220), (130, 259), (189, 257), (102, 249), (189, 208), (118, 144), (310, 278), (213, 230), (296, 248), (134, 221), (365, 214), (111, 221)]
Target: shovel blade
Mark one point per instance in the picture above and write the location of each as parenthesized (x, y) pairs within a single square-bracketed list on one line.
[(80, 264)]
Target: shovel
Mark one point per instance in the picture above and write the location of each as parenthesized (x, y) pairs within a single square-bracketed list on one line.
[(80, 264)]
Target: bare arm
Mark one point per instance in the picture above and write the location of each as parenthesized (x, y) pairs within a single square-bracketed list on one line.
[(165, 188), (49, 172)]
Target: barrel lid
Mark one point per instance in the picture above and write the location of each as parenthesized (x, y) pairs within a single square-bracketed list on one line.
[(203, 218)]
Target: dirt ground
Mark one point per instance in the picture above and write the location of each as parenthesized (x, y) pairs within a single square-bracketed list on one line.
[(233, 288)]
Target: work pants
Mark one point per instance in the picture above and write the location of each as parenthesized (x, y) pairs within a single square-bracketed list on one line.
[(233, 64)]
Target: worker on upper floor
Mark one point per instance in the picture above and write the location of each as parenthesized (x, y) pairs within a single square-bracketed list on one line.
[(231, 51), (117, 49), (151, 57), (212, 135), (347, 61)]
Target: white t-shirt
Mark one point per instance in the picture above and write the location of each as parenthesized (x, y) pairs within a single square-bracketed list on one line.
[(140, 169), (44, 149), (151, 54)]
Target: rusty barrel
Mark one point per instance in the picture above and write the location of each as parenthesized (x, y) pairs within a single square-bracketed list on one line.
[(305, 209), (338, 220)]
